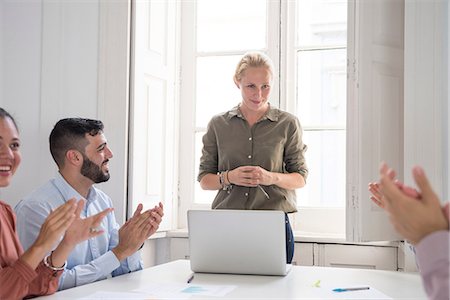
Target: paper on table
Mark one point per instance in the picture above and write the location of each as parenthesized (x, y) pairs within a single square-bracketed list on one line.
[(102, 295), (185, 291), (208, 290)]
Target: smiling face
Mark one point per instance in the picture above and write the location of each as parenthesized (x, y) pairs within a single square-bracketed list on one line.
[(255, 89), (96, 158), (9, 151)]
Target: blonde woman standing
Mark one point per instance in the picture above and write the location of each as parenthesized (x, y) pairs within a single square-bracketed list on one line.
[(253, 154)]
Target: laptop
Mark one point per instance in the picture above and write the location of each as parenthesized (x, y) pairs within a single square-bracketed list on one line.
[(238, 242)]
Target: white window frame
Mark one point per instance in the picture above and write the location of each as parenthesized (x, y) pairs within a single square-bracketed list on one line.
[(278, 16)]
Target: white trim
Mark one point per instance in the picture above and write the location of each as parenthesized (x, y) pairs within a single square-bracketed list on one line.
[(274, 10), (187, 107), (113, 94), (289, 61), (352, 198)]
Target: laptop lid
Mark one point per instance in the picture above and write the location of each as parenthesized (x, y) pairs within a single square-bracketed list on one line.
[(237, 241)]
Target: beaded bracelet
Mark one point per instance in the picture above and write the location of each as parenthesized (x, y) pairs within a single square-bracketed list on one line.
[(50, 265)]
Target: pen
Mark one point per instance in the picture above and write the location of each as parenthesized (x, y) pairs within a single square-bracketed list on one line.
[(265, 193), (351, 289), (190, 278)]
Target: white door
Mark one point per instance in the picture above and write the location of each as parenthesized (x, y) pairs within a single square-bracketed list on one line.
[(375, 110), (153, 96)]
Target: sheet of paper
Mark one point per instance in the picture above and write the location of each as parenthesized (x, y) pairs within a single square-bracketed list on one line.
[(164, 290), (208, 290), (102, 295), (185, 291)]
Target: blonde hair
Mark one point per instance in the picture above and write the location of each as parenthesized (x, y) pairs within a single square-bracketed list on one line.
[(252, 60)]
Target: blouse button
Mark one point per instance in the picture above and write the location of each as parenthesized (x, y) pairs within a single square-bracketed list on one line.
[(249, 138), (249, 156), (246, 194)]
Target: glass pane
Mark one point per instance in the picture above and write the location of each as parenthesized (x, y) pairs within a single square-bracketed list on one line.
[(216, 91), (158, 28), (321, 87), (231, 25), (321, 23), (155, 117), (201, 196), (325, 186)]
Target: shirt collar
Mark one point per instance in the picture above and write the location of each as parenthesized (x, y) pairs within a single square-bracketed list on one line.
[(272, 114), (68, 192)]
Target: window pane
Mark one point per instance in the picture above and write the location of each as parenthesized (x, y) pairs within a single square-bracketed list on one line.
[(321, 87), (216, 91), (201, 196), (325, 186), (321, 23), (155, 116), (231, 25)]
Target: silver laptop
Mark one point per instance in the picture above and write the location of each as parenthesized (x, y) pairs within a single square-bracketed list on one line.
[(238, 241)]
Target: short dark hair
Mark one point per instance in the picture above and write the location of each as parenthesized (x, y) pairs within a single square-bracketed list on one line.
[(4, 114), (70, 134)]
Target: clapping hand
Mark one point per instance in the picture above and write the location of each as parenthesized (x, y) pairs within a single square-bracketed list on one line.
[(137, 229), (413, 219), (55, 225), (83, 229), (377, 196)]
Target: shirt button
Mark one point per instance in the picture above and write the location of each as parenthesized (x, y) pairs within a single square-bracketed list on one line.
[(249, 156), (249, 138), (246, 194)]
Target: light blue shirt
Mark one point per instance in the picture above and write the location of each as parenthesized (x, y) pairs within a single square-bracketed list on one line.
[(90, 260)]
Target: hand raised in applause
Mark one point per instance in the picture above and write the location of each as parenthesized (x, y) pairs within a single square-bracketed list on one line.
[(137, 229), (413, 219), (82, 229), (55, 225), (375, 190)]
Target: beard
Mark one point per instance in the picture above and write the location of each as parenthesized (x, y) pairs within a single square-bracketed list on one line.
[(94, 172)]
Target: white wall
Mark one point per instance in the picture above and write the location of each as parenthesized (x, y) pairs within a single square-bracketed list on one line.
[(1, 51), (447, 125), (55, 64), (20, 80)]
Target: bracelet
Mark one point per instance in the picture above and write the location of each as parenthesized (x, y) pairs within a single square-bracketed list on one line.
[(141, 246), (225, 187), (221, 181), (228, 179), (50, 265)]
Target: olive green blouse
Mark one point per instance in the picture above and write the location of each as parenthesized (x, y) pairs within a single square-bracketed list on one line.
[(273, 143)]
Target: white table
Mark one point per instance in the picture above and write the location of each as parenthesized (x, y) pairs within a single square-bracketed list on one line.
[(296, 285)]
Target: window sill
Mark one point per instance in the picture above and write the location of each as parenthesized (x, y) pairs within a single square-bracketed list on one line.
[(299, 236), (314, 237)]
